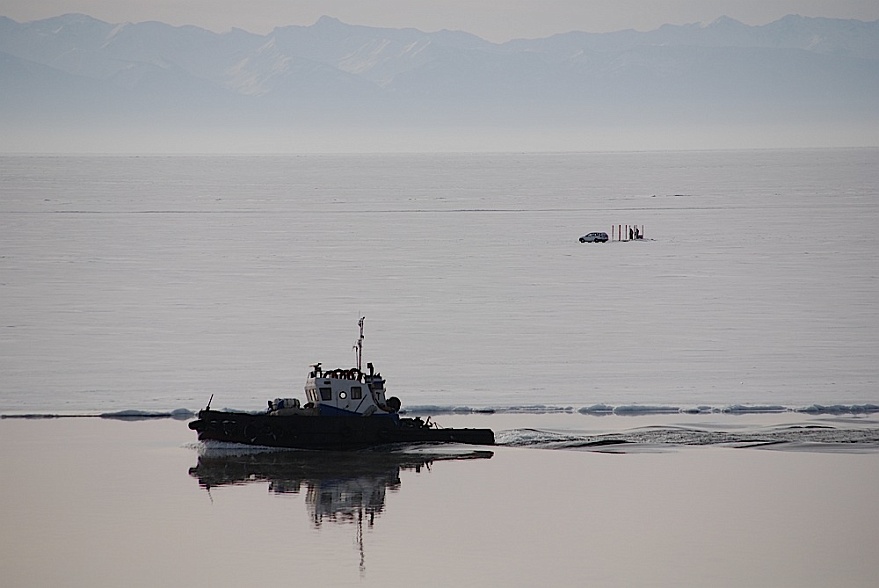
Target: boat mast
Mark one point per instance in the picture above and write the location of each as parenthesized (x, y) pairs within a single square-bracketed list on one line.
[(358, 349)]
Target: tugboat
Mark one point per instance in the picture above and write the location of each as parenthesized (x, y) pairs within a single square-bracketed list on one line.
[(344, 409)]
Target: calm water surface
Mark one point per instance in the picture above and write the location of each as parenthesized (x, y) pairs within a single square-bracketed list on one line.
[(92, 502)]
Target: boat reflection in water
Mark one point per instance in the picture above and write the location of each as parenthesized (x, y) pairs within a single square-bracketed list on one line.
[(340, 487)]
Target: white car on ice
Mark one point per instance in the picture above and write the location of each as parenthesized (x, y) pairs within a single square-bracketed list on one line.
[(594, 238)]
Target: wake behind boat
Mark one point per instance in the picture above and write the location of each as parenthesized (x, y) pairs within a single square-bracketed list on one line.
[(344, 409)]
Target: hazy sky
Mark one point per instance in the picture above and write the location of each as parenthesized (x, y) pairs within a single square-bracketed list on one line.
[(495, 20)]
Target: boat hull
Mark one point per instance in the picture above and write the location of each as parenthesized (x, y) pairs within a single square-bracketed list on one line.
[(327, 432)]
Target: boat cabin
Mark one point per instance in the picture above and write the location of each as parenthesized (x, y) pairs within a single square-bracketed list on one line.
[(348, 392), (341, 392)]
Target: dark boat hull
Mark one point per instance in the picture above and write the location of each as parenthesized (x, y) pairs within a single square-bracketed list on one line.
[(326, 432)]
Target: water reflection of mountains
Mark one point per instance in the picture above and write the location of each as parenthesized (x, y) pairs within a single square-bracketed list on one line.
[(339, 486)]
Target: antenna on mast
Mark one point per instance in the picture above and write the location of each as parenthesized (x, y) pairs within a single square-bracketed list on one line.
[(358, 348)]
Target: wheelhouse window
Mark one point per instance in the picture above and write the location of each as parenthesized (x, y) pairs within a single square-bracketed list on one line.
[(326, 393), (356, 392)]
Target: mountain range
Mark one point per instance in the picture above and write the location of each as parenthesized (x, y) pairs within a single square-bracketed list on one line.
[(74, 74)]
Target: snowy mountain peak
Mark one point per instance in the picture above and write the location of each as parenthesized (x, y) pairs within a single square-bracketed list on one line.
[(723, 22), (328, 21)]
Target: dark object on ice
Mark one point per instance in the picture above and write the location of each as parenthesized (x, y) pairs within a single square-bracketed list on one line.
[(345, 409), (594, 238)]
